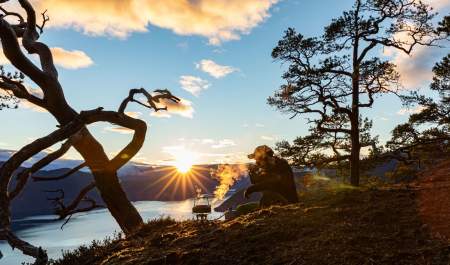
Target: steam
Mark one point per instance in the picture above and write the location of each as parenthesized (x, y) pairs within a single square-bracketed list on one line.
[(227, 175)]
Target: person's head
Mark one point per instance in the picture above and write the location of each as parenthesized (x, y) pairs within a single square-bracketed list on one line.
[(261, 154)]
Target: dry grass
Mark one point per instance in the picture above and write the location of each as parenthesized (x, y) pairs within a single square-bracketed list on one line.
[(434, 199), (332, 225)]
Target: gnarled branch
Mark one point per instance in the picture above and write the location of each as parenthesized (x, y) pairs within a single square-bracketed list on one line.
[(63, 176), (30, 43), (23, 176), (63, 210), (151, 100)]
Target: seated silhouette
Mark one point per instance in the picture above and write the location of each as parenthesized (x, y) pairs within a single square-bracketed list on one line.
[(272, 176)]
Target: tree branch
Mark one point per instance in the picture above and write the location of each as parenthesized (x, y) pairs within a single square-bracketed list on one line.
[(14, 54), (19, 90), (30, 43), (64, 211), (151, 100), (23, 176), (63, 176)]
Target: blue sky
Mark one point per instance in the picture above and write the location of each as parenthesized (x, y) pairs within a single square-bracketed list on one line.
[(231, 116)]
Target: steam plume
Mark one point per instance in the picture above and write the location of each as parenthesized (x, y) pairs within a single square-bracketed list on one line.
[(227, 175)]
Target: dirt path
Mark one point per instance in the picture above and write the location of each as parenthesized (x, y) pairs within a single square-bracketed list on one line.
[(434, 199)]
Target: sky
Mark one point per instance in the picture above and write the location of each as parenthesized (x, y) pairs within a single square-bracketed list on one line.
[(214, 54)]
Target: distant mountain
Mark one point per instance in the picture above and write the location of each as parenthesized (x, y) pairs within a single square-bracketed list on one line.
[(33, 199), (57, 164), (151, 183), (141, 182), (129, 168)]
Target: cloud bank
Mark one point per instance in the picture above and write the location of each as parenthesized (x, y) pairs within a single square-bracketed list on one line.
[(216, 20), (67, 59), (416, 69)]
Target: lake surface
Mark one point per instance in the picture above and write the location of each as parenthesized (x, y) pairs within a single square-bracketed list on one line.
[(83, 228)]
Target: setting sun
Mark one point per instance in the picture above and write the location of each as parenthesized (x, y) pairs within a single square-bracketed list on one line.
[(184, 160)]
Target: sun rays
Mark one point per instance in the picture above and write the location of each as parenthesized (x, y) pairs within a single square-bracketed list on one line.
[(181, 176), (184, 160), (177, 182), (181, 158)]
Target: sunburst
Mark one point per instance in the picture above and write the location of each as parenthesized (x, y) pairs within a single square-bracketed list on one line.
[(184, 160), (183, 174)]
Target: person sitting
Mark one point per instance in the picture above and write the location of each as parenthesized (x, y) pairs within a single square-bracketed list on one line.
[(273, 177)]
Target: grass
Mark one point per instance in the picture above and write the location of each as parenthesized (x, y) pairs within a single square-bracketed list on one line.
[(332, 225)]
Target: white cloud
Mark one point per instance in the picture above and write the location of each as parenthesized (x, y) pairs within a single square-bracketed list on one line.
[(437, 4), (416, 70), (71, 59), (183, 108), (161, 114), (207, 141), (25, 104), (224, 143), (216, 20), (267, 138), (193, 84), (214, 69), (121, 130), (133, 114), (67, 59), (37, 92), (409, 111)]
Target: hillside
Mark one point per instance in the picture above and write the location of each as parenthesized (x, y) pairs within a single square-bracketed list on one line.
[(334, 224)]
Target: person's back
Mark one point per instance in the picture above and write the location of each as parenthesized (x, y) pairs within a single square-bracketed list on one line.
[(286, 187)]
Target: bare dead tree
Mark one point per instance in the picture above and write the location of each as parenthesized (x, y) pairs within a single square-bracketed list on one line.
[(71, 130)]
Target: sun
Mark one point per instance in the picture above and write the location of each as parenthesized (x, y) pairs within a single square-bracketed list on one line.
[(184, 160), (183, 166)]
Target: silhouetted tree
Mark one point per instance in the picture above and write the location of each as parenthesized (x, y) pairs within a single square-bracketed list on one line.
[(332, 77), (71, 129), (444, 26), (325, 149), (427, 131)]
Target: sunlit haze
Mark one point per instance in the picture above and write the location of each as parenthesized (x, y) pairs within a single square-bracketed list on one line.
[(183, 160)]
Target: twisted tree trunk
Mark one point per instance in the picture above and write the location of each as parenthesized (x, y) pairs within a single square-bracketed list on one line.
[(104, 173), (72, 127)]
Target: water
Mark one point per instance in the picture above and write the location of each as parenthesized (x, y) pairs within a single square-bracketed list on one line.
[(82, 229)]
